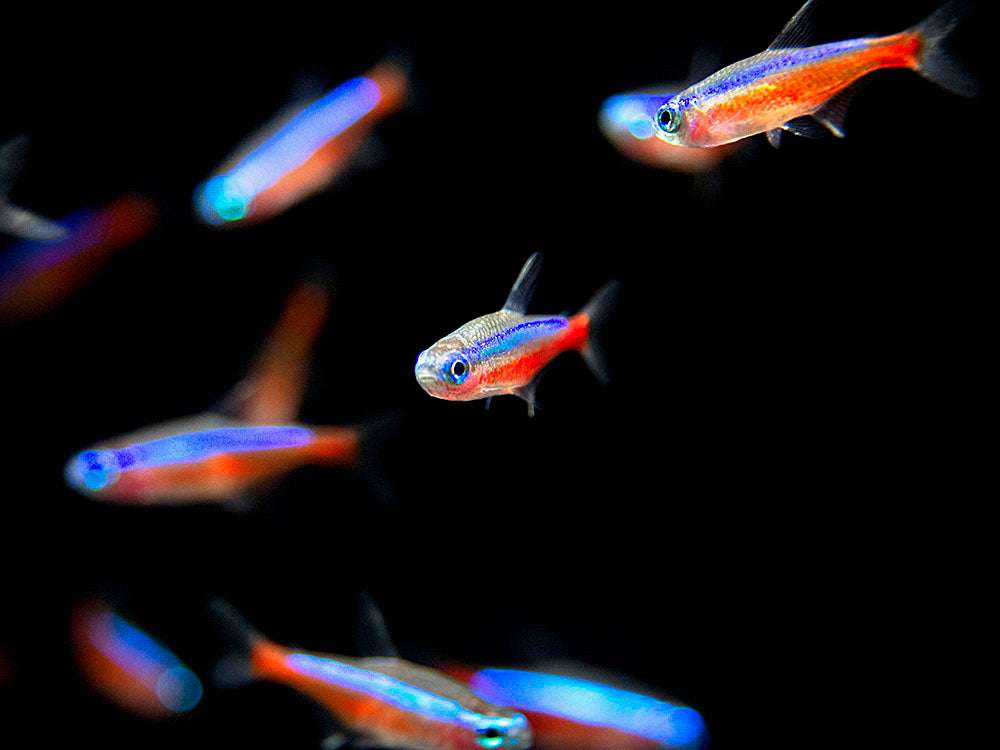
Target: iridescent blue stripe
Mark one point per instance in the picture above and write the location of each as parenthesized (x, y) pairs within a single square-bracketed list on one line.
[(138, 654), (515, 336), (96, 469), (227, 197), (387, 689), (793, 57), (591, 703)]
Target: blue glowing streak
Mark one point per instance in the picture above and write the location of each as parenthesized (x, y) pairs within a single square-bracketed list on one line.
[(137, 653), (384, 688), (633, 112), (515, 336), (590, 703), (228, 196), (794, 57), (97, 469)]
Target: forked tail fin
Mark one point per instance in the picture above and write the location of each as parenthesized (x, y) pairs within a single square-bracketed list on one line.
[(934, 62), (597, 311), (234, 669)]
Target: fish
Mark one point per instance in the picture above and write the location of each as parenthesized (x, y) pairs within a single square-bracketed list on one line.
[(806, 90), (572, 713), (36, 275), (14, 220), (384, 702), (128, 666), (628, 121), (504, 352), (301, 151), (227, 455)]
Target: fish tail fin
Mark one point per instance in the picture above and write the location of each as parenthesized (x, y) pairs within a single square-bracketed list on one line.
[(235, 668), (934, 61), (597, 311)]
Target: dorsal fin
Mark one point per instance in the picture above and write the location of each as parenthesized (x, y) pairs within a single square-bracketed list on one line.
[(798, 32), (520, 293)]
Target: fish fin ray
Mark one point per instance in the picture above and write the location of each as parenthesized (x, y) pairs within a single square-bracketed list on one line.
[(774, 137), (798, 32), (371, 634), (597, 310), (524, 286), (805, 126), (833, 113), (527, 392), (934, 62)]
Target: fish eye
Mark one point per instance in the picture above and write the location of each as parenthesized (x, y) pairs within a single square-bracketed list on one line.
[(668, 118), (457, 370), (492, 736)]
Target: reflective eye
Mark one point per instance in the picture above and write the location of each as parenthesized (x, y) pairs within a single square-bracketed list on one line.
[(457, 371), (668, 118)]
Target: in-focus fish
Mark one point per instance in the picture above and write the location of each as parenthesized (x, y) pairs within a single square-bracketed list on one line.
[(299, 152), (220, 457), (382, 702), (503, 352), (802, 89), (570, 713), (128, 666), (15, 220)]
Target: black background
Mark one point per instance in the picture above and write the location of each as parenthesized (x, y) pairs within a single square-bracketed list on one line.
[(749, 518)]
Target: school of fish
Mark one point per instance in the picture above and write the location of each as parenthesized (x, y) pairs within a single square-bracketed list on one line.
[(231, 452)]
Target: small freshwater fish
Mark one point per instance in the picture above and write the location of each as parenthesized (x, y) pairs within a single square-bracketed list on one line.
[(37, 274), (569, 713), (504, 352), (299, 152), (802, 89), (14, 220), (128, 666), (382, 702), (219, 457)]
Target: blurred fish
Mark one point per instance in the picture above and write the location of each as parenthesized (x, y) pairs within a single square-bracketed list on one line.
[(218, 457), (570, 713), (503, 352), (628, 121), (383, 702), (803, 89), (301, 151), (35, 275), (14, 220), (128, 666)]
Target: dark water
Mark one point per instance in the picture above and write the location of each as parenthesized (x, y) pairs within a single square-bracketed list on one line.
[(750, 518)]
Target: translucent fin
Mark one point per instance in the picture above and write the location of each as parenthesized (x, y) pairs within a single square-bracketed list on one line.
[(335, 741), (488, 402), (520, 293), (233, 670), (371, 634), (935, 63), (597, 310), (798, 32), (806, 126), (833, 113), (11, 157), (19, 222), (774, 137), (527, 392)]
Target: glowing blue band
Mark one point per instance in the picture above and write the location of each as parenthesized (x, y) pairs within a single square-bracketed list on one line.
[(794, 57), (138, 654), (515, 336), (227, 197), (97, 469), (591, 703)]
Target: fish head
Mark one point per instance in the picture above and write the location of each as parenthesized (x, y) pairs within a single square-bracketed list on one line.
[(450, 369), (676, 121), (91, 471), (501, 729)]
